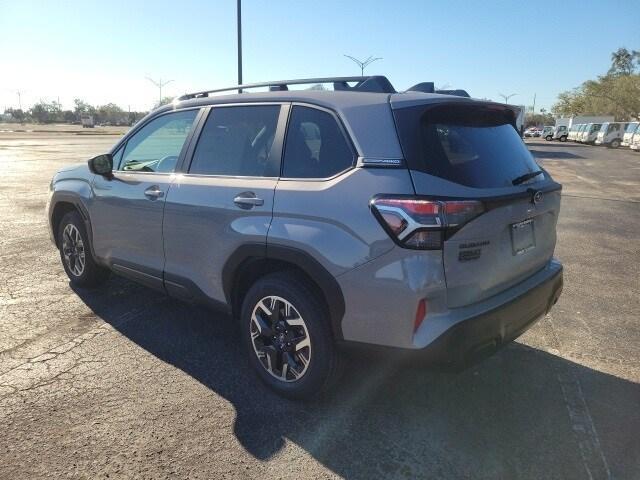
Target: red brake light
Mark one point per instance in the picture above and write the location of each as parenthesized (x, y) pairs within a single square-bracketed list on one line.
[(421, 223), (421, 311)]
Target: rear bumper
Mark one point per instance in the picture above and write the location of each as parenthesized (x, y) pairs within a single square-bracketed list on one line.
[(477, 337)]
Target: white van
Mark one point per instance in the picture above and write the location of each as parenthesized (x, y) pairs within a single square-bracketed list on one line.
[(573, 132), (635, 140), (590, 133), (628, 134), (611, 134), (560, 133), (547, 132)]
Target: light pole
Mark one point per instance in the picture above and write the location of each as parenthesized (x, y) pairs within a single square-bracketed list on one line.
[(159, 83), (507, 97), (239, 20), (362, 63)]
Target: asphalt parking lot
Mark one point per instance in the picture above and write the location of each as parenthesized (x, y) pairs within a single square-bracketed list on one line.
[(126, 383)]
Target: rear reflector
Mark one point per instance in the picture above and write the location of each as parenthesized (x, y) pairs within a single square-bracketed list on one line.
[(421, 223)]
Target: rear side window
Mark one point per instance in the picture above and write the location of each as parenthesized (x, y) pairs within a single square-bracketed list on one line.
[(316, 146), (237, 141), (471, 145)]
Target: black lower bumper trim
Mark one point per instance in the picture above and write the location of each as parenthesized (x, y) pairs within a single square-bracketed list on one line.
[(479, 337)]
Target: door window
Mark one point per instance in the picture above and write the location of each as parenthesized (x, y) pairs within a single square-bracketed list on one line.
[(316, 146), (156, 146), (237, 141)]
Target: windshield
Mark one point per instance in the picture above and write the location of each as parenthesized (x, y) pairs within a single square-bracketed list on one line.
[(473, 145), (595, 127), (631, 127)]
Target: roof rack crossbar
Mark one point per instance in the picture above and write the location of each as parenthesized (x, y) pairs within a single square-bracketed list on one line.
[(374, 83)]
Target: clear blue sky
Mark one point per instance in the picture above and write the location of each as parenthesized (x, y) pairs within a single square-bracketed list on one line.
[(102, 50)]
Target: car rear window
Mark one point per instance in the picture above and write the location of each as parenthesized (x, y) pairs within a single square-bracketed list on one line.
[(473, 145)]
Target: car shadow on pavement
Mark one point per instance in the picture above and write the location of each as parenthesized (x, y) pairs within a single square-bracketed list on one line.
[(523, 413), (554, 154)]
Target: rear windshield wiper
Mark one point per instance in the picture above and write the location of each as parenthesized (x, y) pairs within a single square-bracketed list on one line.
[(525, 177)]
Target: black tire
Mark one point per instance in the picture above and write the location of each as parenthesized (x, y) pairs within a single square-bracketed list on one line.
[(563, 139), (615, 143), (322, 369), (91, 274), (548, 138)]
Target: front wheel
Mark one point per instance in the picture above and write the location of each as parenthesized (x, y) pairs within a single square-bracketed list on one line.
[(615, 143), (75, 253), (286, 330), (563, 139), (548, 138)]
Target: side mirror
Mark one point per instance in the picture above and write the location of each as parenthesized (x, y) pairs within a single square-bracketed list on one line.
[(102, 165)]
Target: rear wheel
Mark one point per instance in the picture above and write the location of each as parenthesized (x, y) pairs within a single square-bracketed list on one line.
[(286, 330), (75, 253)]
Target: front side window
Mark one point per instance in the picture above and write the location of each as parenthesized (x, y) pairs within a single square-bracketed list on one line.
[(316, 146), (156, 146), (237, 141)]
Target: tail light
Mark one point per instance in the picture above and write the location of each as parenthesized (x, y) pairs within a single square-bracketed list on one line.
[(423, 224)]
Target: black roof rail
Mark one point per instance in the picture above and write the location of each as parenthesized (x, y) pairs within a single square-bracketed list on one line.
[(374, 83)]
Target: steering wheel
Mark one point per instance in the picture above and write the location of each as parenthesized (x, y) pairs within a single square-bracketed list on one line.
[(167, 164)]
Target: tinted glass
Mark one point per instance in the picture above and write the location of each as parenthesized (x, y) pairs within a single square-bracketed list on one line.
[(316, 146), (156, 147), (474, 146), (631, 128), (237, 141)]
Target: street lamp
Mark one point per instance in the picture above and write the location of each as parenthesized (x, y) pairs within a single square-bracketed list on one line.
[(507, 97), (363, 63), (159, 83)]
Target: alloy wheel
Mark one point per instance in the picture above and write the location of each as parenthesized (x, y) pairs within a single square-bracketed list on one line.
[(280, 338), (73, 249)]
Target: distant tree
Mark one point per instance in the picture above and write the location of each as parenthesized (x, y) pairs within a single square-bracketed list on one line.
[(617, 93), (624, 62), (538, 120), (82, 108), (68, 116), (317, 86), (164, 101), (110, 113), (43, 112), (17, 114)]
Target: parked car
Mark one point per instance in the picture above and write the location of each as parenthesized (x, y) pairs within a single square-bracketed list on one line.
[(610, 134), (635, 140), (532, 132), (573, 132), (631, 129), (324, 218)]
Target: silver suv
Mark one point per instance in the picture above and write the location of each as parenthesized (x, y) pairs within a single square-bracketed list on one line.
[(321, 218)]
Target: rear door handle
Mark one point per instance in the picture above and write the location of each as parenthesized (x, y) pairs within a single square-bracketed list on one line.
[(154, 192), (248, 200)]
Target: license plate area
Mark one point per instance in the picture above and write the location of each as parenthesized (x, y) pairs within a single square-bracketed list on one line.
[(523, 236)]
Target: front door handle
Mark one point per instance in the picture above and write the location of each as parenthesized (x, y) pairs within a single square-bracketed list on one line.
[(154, 192), (248, 200)]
